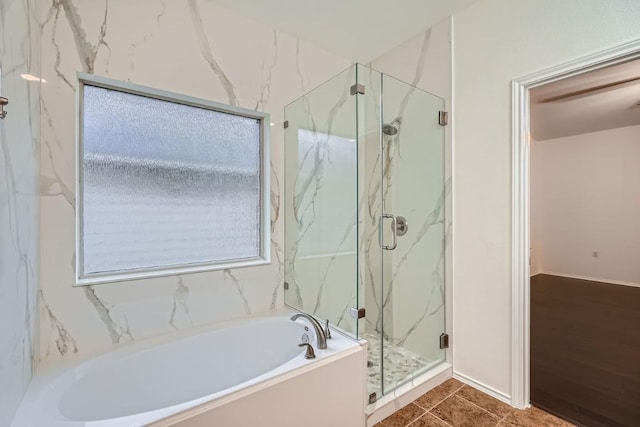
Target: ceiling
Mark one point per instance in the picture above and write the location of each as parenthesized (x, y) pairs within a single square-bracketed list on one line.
[(358, 30), (603, 99)]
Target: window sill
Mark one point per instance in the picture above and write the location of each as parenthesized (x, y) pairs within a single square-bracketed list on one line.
[(111, 277)]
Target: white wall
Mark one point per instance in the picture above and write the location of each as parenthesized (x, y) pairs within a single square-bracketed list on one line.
[(191, 47), (588, 201), (19, 145), (496, 41)]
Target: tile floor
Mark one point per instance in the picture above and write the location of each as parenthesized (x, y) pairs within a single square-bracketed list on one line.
[(453, 404)]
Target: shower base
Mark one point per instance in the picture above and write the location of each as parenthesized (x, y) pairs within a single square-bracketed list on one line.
[(400, 365)]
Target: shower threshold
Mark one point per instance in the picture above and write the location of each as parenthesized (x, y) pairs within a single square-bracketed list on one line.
[(400, 365)]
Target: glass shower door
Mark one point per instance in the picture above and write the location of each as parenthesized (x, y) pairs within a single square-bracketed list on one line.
[(320, 202), (412, 232)]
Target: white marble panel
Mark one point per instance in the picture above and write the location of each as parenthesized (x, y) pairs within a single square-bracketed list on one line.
[(416, 274), (321, 198), (192, 47), (19, 46)]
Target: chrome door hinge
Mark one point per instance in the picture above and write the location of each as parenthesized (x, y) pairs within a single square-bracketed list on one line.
[(286, 124), (443, 118), (357, 89), (286, 286), (373, 398), (358, 313), (444, 341), (3, 103)]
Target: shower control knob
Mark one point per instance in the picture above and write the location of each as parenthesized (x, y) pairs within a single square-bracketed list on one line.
[(401, 226)]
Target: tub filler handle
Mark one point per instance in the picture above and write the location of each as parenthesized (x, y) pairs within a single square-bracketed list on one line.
[(320, 335), (310, 354), (327, 331)]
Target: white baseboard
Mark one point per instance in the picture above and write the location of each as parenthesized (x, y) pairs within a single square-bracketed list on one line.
[(591, 279), (503, 397)]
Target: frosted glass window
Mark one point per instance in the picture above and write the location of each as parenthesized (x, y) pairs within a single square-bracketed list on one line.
[(166, 184)]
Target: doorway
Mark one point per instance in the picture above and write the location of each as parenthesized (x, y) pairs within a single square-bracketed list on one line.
[(585, 243), (571, 353)]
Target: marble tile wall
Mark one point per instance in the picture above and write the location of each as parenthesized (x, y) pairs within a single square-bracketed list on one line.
[(192, 47), (417, 275), (19, 132), (416, 184), (321, 201)]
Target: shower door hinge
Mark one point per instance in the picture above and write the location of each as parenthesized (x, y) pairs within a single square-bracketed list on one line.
[(357, 313), (3, 103), (286, 124), (286, 286), (357, 89), (373, 398), (443, 118), (444, 341)]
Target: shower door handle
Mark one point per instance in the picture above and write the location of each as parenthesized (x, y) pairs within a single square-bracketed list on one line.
[(394, 232)]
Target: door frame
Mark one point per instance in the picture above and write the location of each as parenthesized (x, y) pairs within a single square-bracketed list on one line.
[(520, 243)]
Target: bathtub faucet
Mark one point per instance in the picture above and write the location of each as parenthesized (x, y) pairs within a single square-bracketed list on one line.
[(320, 335)]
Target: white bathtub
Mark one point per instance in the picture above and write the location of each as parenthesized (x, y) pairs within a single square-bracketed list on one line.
[(154, 379)]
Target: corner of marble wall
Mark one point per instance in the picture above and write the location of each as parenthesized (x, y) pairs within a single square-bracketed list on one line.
[(19, 151), (425, 62)]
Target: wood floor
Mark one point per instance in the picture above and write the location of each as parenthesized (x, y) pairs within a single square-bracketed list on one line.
[(585, 351)]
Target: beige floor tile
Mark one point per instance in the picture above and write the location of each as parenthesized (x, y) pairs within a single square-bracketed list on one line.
[(461, 413), (438, 394), (485, 401), (404, 416)]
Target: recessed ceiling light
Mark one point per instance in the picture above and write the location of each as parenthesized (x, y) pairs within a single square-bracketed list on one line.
[(32, 78), (273, 124)]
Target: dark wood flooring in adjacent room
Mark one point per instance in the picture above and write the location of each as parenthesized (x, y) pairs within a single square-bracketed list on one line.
[(585, 351)]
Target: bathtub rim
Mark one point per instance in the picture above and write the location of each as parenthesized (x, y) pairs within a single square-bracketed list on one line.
[(54, 374)]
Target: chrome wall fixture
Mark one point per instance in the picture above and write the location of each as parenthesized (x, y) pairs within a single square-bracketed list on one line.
[(3, 102)]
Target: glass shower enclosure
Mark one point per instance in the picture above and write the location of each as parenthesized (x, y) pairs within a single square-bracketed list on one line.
[(364, 218)]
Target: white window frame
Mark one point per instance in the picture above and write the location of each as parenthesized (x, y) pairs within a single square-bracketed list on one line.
[(263, 258)]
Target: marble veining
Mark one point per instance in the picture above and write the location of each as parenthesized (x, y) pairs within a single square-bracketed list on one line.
[(182, 47), (307, 185), (53, 186), (19, 151), (117, 332), (419, 315), (265, 88), (377, 187), (63, 340), (229, 275), (180, 310), (207, 54)]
